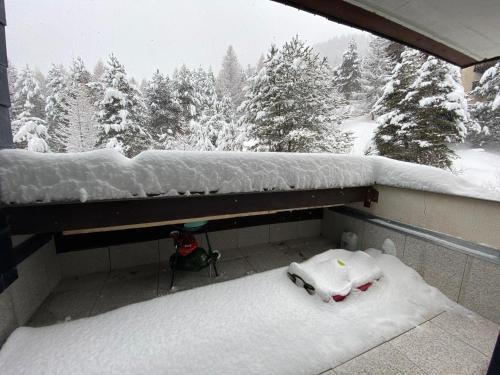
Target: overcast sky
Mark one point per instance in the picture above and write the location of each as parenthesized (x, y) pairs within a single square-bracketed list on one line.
[(150, 34)]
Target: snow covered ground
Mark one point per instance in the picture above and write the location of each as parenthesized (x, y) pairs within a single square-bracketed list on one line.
[(259, 324), (362, 129), (477, 165)]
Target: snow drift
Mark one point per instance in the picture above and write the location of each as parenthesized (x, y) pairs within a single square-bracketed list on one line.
[(27, 177), (259, 324)]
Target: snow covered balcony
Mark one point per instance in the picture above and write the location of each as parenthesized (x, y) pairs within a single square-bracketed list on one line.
[(102, 214)]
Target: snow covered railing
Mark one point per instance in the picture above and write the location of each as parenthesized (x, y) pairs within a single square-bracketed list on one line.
[(65, 192), (28, 177)]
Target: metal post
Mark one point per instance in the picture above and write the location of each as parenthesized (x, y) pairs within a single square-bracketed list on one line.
[(8, 272), (5, 126)]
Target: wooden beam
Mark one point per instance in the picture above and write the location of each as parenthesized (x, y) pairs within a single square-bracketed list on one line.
[(75, 242), (179, 221), (129, 213), (357, 17)]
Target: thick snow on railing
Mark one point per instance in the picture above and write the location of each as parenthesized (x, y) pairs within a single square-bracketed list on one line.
[(27, 177)]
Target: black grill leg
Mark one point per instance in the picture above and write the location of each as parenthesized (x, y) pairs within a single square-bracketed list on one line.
[(173, 271), (215, 268), (212, 261)]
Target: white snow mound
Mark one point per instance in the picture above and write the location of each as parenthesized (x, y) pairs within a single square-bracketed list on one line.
[(259, 324), (337, 272), (28, 177)]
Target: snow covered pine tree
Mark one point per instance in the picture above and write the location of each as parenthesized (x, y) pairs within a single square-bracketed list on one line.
[(79, 74), (391, 137), (424, 109), (82, 133), (290, 104), (28, 126), (230, 136), (166, 122), (121, 112), (56, 108), (231, 78), (12, 79), (204, 132), (82, 124), (377, 68), (441, 115), (485, 109), (348, 74), (214, 127), (186, 94)]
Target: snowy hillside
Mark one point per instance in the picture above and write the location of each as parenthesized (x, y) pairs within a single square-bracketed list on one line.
[(334, 47), (477, 165), (362, 129)]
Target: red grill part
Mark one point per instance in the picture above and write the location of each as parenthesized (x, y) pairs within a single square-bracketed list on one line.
[(364, 286), (186, 243), (187, 249), (338, 297)]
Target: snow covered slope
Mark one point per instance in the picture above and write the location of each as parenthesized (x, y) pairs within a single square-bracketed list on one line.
[(27, 177), (259, 324), (476, 165), (362, 129)]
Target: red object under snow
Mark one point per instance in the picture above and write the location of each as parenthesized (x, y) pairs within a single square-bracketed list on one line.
[(363, 288), (338, 297)]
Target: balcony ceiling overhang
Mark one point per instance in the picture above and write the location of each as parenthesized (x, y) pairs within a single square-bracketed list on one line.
[(463, 32)]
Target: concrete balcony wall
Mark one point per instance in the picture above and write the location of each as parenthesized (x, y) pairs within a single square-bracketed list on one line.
[(474, 220), (77, 263), (37, 277), (465, 272)]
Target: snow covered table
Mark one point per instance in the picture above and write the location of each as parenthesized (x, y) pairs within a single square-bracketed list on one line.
[(259, 324)]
